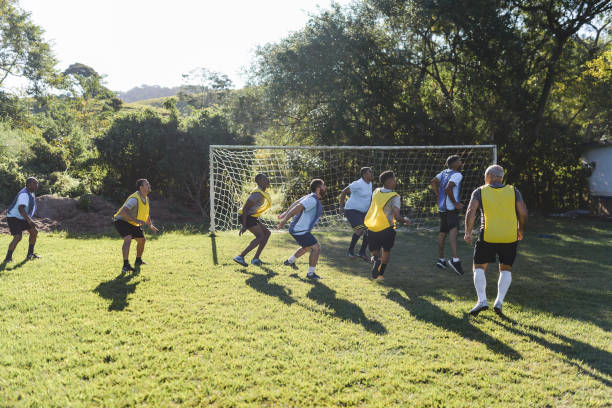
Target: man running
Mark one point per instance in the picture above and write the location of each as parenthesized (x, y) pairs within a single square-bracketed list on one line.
[(306, 213), (503, 215), (446, 186), (259, 202), (19, 219), (360, 196), (130, 218)]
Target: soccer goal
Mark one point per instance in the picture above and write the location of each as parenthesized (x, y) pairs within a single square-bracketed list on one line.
[(290, 169)]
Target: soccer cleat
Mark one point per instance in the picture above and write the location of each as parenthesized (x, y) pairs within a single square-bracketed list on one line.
[(380, 278), (497, 308), (441, 263), (313, 276), (127, 268), (7, 260), (32, 256), (351, 254), (479, 308), (375, 267), (139, 262), (256, 262), (240, 260), (291, 264), (455, 266)]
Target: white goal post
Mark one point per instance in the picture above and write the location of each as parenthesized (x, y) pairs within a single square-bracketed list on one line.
[(290, 169)]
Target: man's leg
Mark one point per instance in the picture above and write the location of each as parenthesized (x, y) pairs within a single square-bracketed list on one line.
[(12, 246), (263, 240), (505, 279), (452, 238), (354, 239), (313, 259), (140, 246), (480, 283), (255, 230), (364, 245), (32, 241), (384, 260)]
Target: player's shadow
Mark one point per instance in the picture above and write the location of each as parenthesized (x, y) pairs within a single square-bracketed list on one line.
[(576, 352), (118, 289), (425, 311), (261, 283), (341, 308), (4, 265)]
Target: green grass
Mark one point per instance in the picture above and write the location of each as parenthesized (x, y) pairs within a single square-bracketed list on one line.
[(185, 331)]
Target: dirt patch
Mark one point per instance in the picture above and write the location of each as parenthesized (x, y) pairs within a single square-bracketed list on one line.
[(95, 215)]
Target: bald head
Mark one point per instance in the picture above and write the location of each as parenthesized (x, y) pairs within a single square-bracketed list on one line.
[(494, 173)]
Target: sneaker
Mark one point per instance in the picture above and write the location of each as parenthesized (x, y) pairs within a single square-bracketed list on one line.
[(479, 308), (138, 263), (31, 257), (256, 262), (351, 254), (313, 276), (441, 263), (127, 268), (380, 278), (455, 266), (497, 308), (375, 267), (7, 260), (240, 260), (291, 264)]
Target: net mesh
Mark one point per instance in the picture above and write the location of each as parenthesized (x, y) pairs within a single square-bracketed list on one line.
[(291, 169)]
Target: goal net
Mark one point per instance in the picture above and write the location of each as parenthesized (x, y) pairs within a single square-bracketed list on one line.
[(291, 168)]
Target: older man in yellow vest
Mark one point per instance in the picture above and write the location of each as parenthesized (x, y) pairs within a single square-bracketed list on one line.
[(381, 219), (132, 215), (259, 202), (503, 215)]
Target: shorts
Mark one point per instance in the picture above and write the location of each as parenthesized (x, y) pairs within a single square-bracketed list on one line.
[(125, 228), (486, 252), (250, 221), (305, 240), (16, 225), (355, 217), (449, 220), (382, 239)]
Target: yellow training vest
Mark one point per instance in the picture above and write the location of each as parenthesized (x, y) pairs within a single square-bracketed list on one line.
[(262, 208), (376, 219), (499, 209), (143, 208)]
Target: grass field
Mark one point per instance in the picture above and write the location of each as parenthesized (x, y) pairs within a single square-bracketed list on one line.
[(195, 329)]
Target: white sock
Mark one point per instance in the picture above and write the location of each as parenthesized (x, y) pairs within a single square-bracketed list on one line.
[(291, 259), (455, 259), (480, 283), (505, 278), (311, 270)]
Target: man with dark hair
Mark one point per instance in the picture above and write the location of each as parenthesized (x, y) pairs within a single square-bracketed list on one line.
[(446, 186), (306, 213), (132, 215), (259, 202), (19, 218), (503, 215), (360, 196), (381, 220)]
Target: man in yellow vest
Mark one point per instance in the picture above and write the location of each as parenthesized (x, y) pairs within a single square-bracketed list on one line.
[(381, 219), (130, 218), (248, 217), (503, 215)]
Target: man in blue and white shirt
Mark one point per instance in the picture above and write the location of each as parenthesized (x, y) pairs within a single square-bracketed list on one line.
[(19, 219), (306, 213), (446, 185), (360, 197)]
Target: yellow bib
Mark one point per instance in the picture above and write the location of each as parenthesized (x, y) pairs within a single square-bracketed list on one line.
[(262, 208), (376, 219), (143, 208), (499, 209)]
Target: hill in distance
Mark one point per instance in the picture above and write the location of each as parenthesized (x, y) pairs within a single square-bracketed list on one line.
[(144, 92)]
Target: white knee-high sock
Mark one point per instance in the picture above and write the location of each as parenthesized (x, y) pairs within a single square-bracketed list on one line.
[(480, 283), (505, 278)]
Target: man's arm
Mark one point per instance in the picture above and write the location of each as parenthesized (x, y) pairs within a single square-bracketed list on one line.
[(343, 194), (470, 217), (398, 217), (126, 216), (449, 193), (26, 217), (291, 207), (295, 209), (150, 224), (435, 185), (521, 210)]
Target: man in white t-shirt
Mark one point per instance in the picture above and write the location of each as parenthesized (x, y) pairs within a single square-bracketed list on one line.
[(446, 185), (19, 218), (360, 197), (306, 213)]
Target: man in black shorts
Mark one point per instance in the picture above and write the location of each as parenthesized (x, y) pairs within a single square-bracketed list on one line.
[(19, 218), (360, 196), (130, 218), (503, 215)]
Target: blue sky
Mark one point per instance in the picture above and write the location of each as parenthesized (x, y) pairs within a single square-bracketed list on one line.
[(154, 42)]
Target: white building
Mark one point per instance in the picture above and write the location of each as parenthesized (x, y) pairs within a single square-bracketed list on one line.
[(599, 158)]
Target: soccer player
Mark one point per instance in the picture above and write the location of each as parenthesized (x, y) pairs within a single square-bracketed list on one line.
[(130, 218), (503, 215), (306, 213), (360, 196), (19, 219), (381, 220), (248, 216), (446, 186)]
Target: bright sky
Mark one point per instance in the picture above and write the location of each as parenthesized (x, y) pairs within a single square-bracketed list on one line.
[(154, 42)]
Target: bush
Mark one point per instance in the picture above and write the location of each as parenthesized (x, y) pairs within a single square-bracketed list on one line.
[(11, 180), (65, 185)]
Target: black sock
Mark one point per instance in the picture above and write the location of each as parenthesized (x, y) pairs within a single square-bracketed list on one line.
[(30, 249), (126, 262), (381, 269), (9, 254), (364, 244), (138, 259), (353, 242)]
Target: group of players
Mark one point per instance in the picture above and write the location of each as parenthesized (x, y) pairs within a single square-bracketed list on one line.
[(374, 216)]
